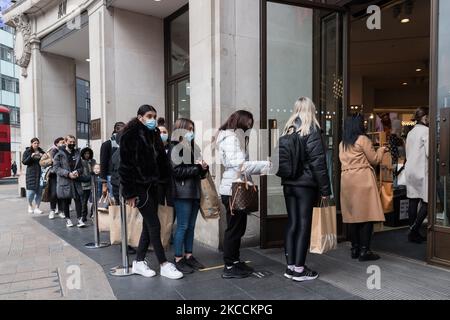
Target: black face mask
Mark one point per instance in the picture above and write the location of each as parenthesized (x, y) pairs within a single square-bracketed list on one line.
[(71, 146)]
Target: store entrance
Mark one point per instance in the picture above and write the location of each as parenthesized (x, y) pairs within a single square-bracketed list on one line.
[(389, 79)]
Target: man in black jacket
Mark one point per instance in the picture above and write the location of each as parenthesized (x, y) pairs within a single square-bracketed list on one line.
[(107, 151)]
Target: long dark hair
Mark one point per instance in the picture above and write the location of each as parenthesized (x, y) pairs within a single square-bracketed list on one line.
[(238, 120), (420, 113), (353, 128), (144, 109)]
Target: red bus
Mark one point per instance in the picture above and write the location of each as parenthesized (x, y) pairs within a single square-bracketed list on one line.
[(5, 143)]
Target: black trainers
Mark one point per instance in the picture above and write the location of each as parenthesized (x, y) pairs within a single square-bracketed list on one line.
[(234, 272), (194, 264), (289, 273), (367, 255), (183, 266), (245, 267), (306, 275)]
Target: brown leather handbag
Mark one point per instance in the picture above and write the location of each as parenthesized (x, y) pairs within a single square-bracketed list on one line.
[(244, 197)]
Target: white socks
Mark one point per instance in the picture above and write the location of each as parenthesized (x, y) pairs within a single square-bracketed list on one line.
[(291, 267), (299, 269)]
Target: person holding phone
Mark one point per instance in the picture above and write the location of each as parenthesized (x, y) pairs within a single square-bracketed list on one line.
[(187, 171), (31, 158), (143, 163), (68, 167)]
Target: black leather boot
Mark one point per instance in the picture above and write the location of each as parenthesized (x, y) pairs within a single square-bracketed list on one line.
[(355, 251), (367, 255)]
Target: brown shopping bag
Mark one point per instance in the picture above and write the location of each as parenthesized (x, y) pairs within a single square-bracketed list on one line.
[(103, 221), (324, 231), (209, 200), (134, 225), (165, 215)]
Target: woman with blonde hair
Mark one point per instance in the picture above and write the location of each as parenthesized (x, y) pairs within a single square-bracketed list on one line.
[(301, 192)]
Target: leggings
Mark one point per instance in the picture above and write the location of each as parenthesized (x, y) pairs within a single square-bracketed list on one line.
[(66, 206), (416, 218), (361, 234), (300, 202), (151, 227)]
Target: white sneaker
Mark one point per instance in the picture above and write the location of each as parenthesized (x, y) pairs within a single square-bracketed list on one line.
[(62, 215), (169, 270), (51, 215), (69, 223), (81, 224), (30, 209), (38, 211), (142, 268)]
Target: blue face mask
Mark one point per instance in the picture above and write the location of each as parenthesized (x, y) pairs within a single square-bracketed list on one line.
[(164, 137), (189, 136), (151, 124)]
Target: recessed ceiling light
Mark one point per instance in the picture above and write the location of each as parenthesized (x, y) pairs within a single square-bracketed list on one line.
[(405, 20), (405, 83), (88, 60), (418, 69)]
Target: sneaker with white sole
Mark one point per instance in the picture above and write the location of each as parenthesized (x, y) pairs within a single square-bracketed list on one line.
[(62, 215), (51, 215), (69, 223), (169, 270), (30, 209), (81, 224), (38, 211), (306, 275), (142, 268)]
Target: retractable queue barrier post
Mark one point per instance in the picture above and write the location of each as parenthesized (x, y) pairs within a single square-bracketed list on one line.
[(123, 270), (96, 244)]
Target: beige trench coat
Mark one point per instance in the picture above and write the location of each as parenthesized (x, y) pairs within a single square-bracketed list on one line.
[(360, 198)]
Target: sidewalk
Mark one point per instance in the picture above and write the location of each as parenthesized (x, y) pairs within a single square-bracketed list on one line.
[(340, 277), (34, 261)]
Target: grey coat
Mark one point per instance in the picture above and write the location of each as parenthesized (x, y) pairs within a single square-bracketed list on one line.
[(67, 188)]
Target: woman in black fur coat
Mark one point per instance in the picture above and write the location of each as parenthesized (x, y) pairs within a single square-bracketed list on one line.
[(143, 163)]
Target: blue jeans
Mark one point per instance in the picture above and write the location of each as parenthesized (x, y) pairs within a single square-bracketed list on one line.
[(110, 188), (35, 195), (186, 211)]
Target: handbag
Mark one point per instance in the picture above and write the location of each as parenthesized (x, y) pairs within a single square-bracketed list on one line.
[(209, 200), (244, 196), (323, 229), (104, 202)]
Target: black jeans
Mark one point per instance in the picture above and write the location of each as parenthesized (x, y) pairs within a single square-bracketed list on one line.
[(66, 206), (236, 225), (300, 202), (151, 228), (84, 204), (361, 234), (416, 218)]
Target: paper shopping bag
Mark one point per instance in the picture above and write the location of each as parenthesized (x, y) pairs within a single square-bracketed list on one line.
[(134, 225), (323, 232), (209, 200), (165, 215)]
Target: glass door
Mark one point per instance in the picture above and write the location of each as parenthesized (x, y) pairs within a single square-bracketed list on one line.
[(439, 213), (301, 56)]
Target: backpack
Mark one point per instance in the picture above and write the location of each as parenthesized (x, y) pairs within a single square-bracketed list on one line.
[(290, 152)]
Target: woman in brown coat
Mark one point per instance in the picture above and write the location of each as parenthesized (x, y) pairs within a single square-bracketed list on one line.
[(360, 199)]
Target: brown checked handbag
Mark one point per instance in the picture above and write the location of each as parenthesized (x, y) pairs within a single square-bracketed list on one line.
[(244, 197)]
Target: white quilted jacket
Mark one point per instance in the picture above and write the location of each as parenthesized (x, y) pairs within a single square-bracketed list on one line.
[(234, 159)]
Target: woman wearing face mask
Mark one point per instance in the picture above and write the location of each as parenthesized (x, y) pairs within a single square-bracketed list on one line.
[(416, 173), (68, 168), (31, 158), (143, 164), (187, 171)]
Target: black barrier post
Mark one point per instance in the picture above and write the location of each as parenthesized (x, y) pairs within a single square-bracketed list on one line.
[(97, 244), (123, 270)]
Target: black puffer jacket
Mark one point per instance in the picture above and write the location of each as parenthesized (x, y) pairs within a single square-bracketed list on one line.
[(186, 176), (143, 160), (33, 175), (315, 172)]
